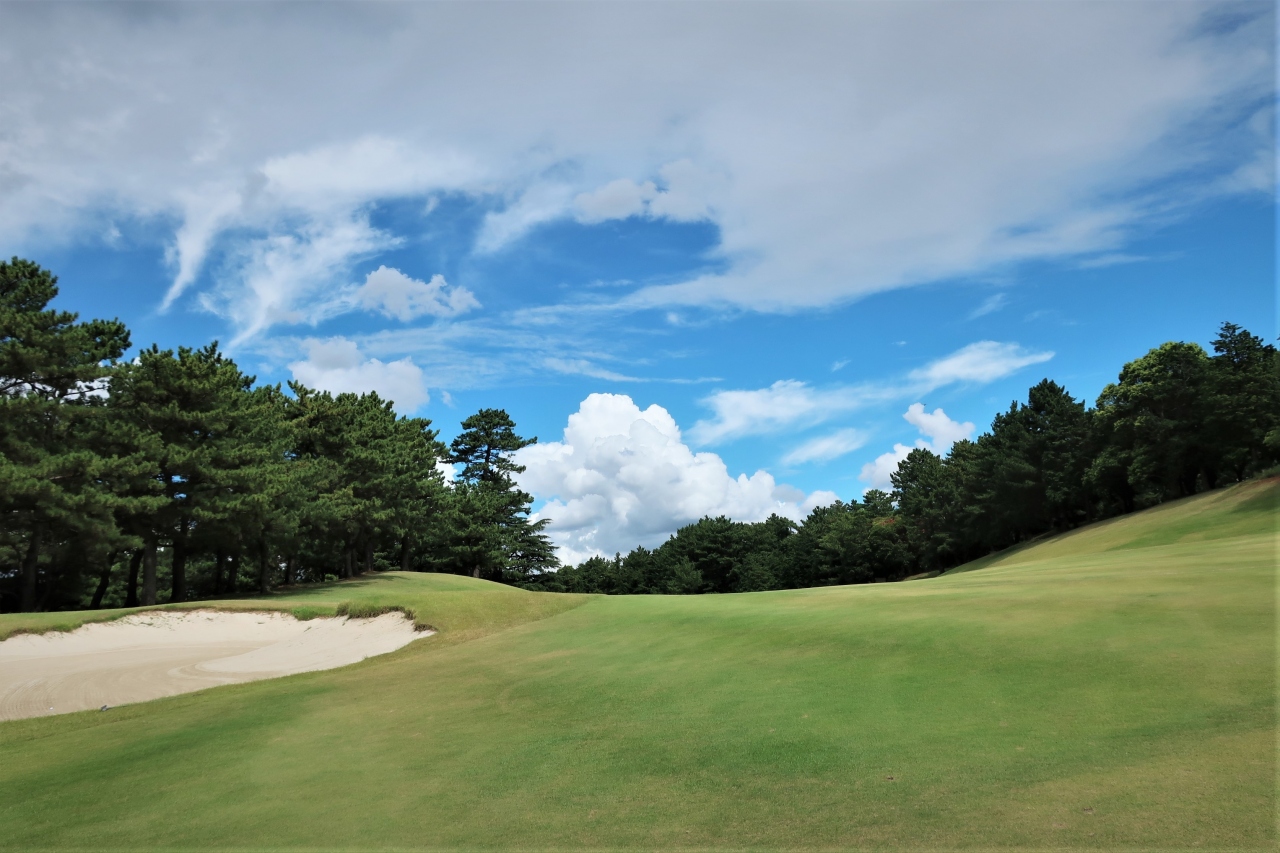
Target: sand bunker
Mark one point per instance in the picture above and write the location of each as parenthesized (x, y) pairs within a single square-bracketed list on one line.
[(162, 653)]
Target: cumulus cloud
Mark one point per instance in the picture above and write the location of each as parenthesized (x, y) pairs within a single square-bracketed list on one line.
[(622, 477), (826, 447), (789, 402), (940, 433), (337, 365), (395, 294)]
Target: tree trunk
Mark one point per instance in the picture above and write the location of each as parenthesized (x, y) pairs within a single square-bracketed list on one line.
[(368, 554), (29, 566), (131, 591), (233, 571), (264, 584), (57, 557), (348, 557), (104, 580), (149, 574), (179, 588), (404, 553), (288, 570), (219, 561)]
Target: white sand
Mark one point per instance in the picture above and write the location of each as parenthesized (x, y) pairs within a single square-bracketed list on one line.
[(162, 653)]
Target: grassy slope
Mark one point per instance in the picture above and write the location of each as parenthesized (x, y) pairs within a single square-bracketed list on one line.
[(1110, 688), (459, 607)]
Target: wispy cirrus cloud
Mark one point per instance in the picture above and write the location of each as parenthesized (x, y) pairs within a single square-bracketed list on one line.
[(291, 278), (824, 448), (915, 136), (984, 361), (789, 403), (990, 305)]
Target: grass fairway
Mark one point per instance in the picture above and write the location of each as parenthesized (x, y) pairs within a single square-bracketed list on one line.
[(1111, 688)]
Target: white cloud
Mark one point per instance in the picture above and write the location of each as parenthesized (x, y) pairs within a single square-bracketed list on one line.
[(291, 278), (306, 200), (989, 305), (941, 432), (686, 197), (841, 149), (782, 404), (448, 470), (876, 474), (826, 447), (789, 402), (584, 367), (395, 294), (615, 200), (688, 192), (337, 365), (205, 213), (540, 203), (623, 477), (370, 166), (984, 361)]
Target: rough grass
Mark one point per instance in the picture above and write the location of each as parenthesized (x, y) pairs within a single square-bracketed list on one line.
[(1111, 688)]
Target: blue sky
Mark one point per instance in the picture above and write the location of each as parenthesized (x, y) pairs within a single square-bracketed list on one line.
[(718, 258)]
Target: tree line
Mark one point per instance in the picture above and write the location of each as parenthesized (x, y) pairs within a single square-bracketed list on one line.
[(173, 476), (1176, 421)]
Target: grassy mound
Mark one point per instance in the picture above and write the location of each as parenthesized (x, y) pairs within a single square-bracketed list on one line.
[(460, 608), (1113, 687)]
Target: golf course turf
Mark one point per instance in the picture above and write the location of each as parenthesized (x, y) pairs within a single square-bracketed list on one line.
[(1113, 687)]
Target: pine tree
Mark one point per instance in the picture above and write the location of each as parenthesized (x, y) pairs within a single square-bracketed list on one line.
[(492, 535), (53, 485)]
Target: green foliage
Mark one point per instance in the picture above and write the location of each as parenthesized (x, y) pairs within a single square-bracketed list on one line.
[(489, 534), (58, 496), (112, 473), (485, 446)]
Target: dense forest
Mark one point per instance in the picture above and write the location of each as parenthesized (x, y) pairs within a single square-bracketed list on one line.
[(172, 476)]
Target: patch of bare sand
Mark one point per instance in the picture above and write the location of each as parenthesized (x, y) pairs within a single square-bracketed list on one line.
[(163, 653)]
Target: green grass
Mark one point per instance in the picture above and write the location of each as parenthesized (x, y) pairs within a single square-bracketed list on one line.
[(1110, 688), (460, 608)]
